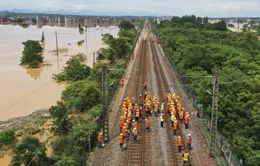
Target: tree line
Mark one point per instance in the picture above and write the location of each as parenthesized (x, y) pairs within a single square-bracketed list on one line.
[(198, 48)]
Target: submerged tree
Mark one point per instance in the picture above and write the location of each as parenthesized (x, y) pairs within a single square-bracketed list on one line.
[(29, 152), (32, 54), (43, 38)]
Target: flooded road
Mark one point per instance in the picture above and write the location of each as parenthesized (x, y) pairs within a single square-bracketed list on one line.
[(22, 90)]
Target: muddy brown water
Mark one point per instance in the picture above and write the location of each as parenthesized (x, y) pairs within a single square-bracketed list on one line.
[(22, 90)]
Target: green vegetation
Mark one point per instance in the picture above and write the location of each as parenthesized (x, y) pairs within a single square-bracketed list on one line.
[(7, 137), (74, 71), (24, 25), (78, 116), (29, 152), (80, 57), (32, 54), (198, 48), (43, 38), (119, 48), (125, 24), (80, 42)]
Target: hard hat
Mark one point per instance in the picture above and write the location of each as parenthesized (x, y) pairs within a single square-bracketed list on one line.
[(133, 120), (189, 134), (179, 136), (187, 112), (145, 119), (121, 134), (186, 151), (100, 133), (135, 104), (124, 127)]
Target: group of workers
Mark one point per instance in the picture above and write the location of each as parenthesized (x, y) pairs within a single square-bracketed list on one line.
[(132, 112)]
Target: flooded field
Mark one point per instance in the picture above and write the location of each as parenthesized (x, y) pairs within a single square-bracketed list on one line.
[(23, 90)]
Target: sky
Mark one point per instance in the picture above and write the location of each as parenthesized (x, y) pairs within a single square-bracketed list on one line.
[(211, 8)]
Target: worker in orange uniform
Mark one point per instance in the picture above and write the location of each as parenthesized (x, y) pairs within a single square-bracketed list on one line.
[(135, 135), (175, 127), (137, 115), (140, 98), (197, 113), (145, 85), (134, 124), (121, 142), (121, 124), (147, 125), (185, 157), (181, 115), (179, 141), (186, 122), (145, 95), (189, 142), (124, 132), (133, 101), (100, 140)]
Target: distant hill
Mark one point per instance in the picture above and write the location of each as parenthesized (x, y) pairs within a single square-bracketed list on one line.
[(81, 12)]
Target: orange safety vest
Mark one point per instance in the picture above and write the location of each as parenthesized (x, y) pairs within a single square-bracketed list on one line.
[(179, 142), (124, 132), (175, 126), (135, 124), (121, 124), (133, 100), (147, 124), (189, 140), (197, 112), (181, 115), (186, 120), (147, 108), (99, 138), (121, 140)]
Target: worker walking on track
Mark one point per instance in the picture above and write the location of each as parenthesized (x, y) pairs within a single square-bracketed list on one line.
[(179, 141), (100, 140), (137, 114), (135, 135), (147, 125), (162, 120), (145, 85), (185, 157), (189, 142), (121, 142), (175, 128), (186, 121)]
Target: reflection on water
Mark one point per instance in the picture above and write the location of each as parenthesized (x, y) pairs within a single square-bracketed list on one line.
[(34, 73), (26, 90)]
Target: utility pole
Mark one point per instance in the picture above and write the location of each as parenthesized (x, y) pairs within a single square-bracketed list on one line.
[(214, 116), (105, 104), (57, 50), (94, 58), (86, 33)]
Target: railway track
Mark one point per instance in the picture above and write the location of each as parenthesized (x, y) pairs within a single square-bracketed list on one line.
[(136, 152), (174, 157)]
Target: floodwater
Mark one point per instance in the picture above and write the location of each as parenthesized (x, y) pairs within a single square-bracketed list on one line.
[(22, 90)]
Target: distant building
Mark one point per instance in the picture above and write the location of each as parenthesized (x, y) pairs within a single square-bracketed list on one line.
[(28, 20), (1, 20)]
